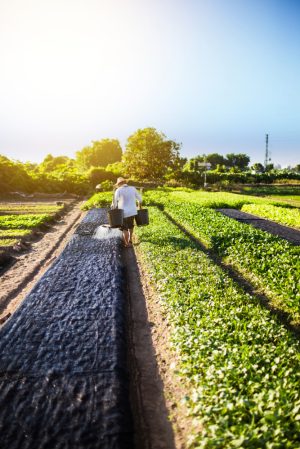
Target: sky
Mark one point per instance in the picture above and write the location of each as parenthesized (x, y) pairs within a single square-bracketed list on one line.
[(213, 75)]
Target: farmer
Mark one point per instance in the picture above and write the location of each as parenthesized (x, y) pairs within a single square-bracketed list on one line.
[(125, 198)]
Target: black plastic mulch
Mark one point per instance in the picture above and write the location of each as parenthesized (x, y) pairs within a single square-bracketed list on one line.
[(63, 374), (290, 234)]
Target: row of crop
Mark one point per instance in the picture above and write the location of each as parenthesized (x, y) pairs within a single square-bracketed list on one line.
[(23, 221), (207, 199), (269, 262), (15, 224), (283, 215), (241, 367), (101, 199), (30, 208)]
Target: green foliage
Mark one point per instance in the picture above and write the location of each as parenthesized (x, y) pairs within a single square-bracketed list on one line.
[(215, 159), (116, 168), (51, 163), (106, 186), (14, 232), (207, 199), (97, 175), (23, 221), (240, 365), (28, 208), (283, 215), (272, 190), (7, 243), (102, 199), (99, 154), (239, 161), (17, 220), (258, 167), (13, 176), (270, 262), (149, 155)]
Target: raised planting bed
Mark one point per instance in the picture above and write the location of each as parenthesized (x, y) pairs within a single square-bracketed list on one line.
[(63, 368), (20, 220), (269, 262), (239, 365), (283, 215)]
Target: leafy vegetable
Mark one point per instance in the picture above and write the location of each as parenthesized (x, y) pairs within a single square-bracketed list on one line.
[(283, 215), (269, 262), (23, 221), (242, 367)]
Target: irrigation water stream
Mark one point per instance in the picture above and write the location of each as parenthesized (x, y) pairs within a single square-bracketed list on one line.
[(63, 369)]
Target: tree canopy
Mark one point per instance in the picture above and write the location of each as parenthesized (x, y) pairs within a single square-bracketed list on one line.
[(149, 155), (99, 154), (239, 160)]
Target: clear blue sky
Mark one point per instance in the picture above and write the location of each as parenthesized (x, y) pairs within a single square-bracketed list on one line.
[(215, 75)]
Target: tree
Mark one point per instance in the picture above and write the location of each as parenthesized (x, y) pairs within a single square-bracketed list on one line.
[(194, 164), (51, 163), (149, 155), (99, 154), (258, 167), (97, 175), (215, 159), (239, 160), (13, 176)]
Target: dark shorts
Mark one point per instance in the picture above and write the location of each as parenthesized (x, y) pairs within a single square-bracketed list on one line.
[(128, 223)]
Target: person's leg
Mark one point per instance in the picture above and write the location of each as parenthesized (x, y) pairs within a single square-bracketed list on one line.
[(130, 235), (129, 226), (126, 237)]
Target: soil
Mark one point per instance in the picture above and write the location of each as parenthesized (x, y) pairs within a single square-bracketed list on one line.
[(161, 420), (30, 264)]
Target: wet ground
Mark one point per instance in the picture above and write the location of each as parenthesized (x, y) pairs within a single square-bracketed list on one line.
[(285, 232), (63, 369)]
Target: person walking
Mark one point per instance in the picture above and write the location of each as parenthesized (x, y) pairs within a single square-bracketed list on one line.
[(125, 198)]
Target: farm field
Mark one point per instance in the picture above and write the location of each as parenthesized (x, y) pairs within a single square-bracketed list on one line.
[(237, 359), (282, 190), (19, 220), (239, 363), (28, 243), (283, 215), (235, 349), (293, 200)]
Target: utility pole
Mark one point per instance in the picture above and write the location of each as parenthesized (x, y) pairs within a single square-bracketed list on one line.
[(267, 151)]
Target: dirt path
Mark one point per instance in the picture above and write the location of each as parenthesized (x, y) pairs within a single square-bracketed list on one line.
[(285, 232), (161, 418), (18, 280)]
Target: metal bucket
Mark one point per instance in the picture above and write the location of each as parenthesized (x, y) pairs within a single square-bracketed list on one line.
[(115, 218), (142, 217)]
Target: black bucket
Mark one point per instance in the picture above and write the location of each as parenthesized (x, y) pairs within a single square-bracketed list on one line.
[(142, 217), (115, 218)]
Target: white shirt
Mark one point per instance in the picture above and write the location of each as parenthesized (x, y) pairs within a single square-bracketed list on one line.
[(125, 198)]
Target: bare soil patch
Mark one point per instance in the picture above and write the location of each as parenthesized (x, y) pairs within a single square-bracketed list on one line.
[(161, 419)]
